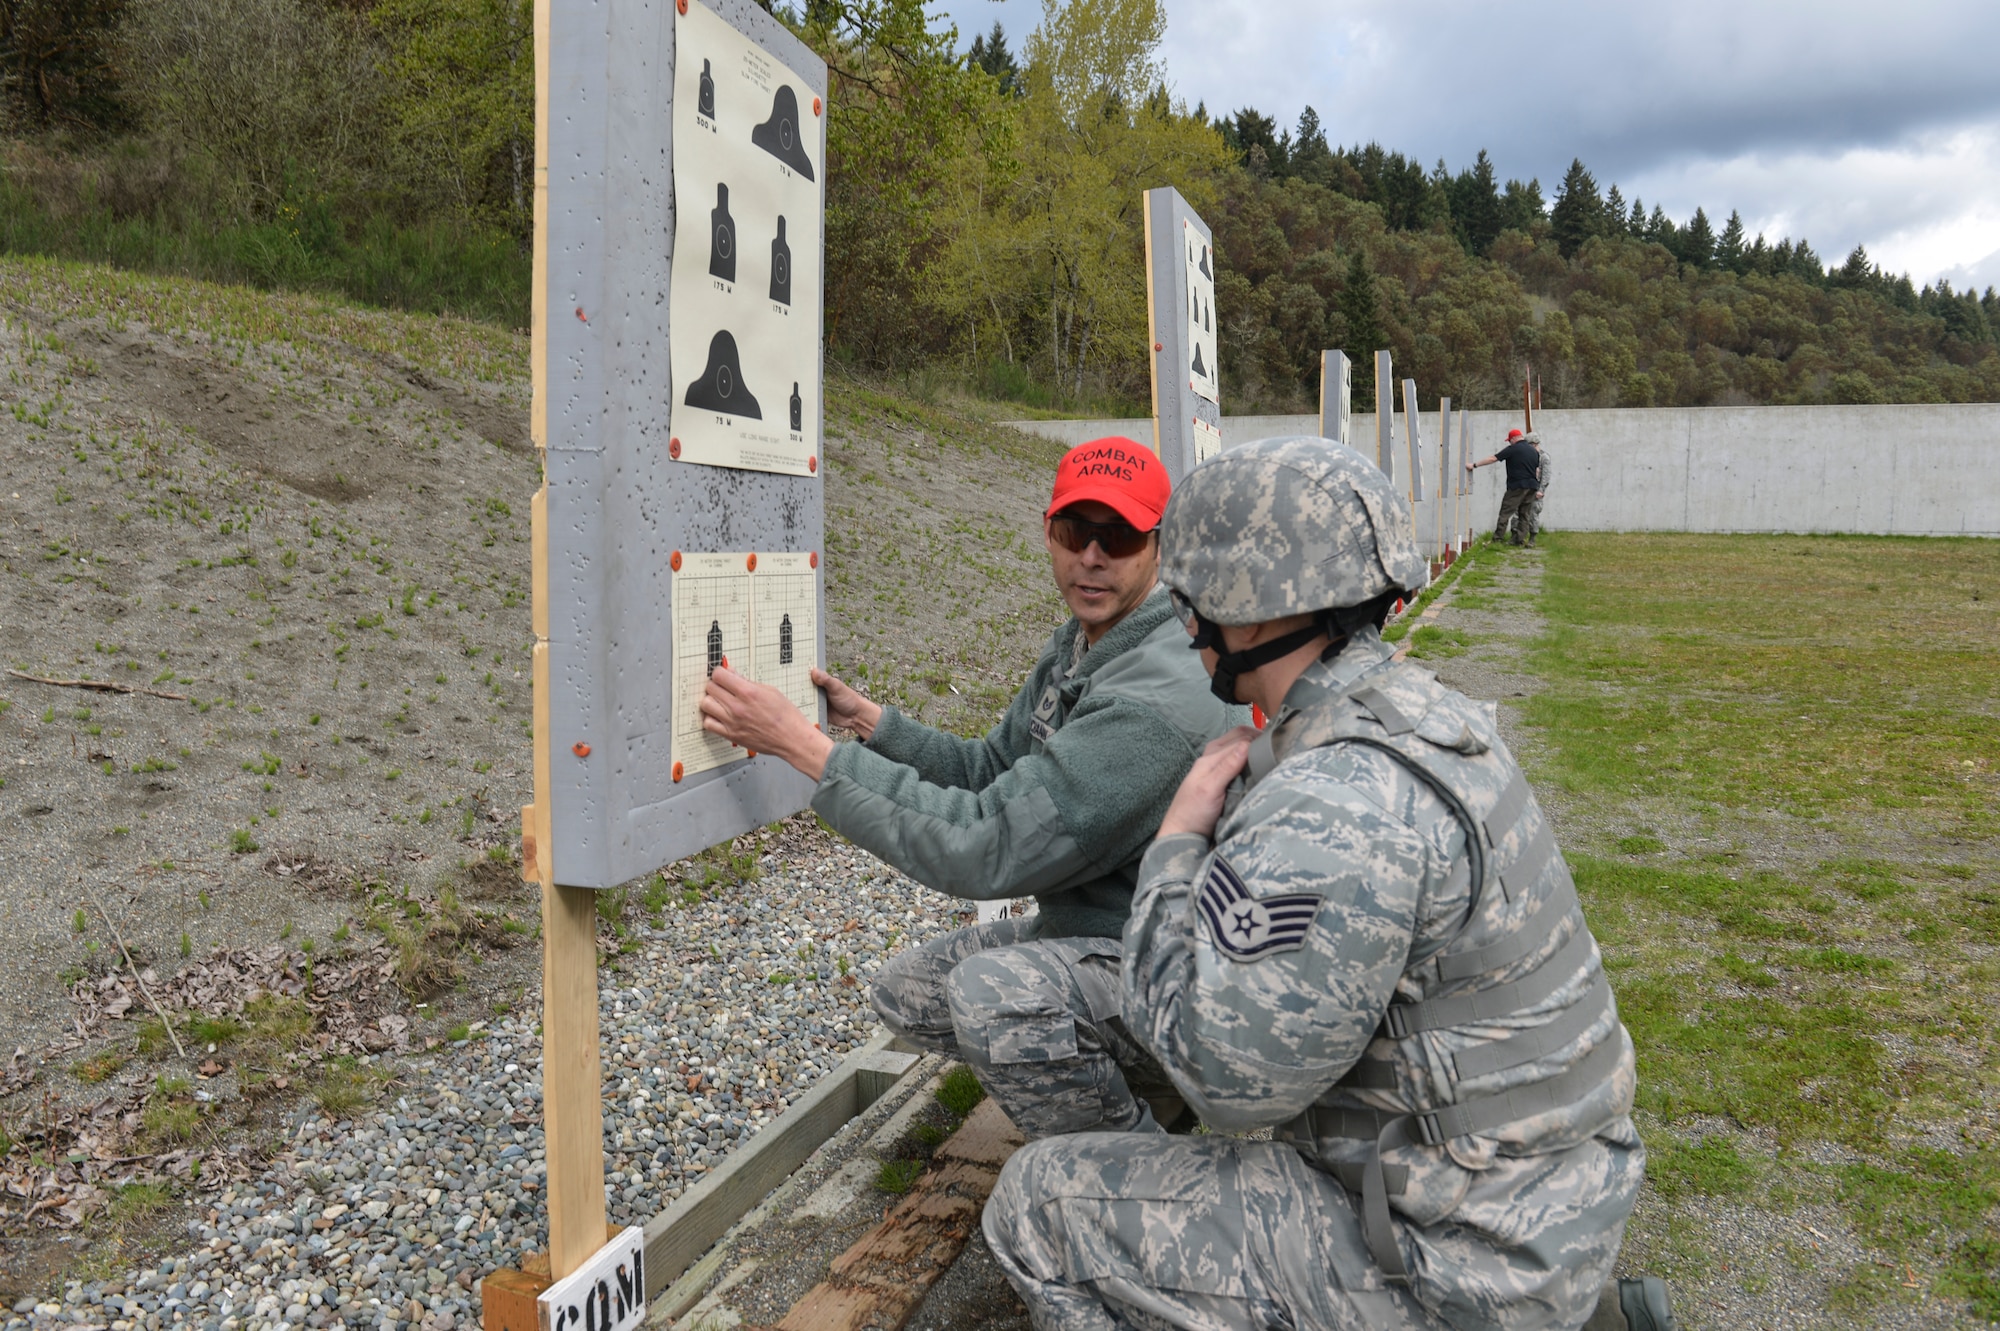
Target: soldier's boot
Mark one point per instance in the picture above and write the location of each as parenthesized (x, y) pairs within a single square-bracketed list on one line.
[(1169, 1111), (1637, 1303)]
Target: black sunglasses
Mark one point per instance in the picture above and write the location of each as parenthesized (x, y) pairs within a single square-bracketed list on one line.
[(1183, 608), (1118, 540)]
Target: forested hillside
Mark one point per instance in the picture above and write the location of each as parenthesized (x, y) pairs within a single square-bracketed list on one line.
[(984, 220)]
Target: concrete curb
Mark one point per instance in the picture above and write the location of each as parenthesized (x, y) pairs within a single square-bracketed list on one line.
[(679, 1235)]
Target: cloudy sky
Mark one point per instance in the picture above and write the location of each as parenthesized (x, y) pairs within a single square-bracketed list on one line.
[(1844, 123)]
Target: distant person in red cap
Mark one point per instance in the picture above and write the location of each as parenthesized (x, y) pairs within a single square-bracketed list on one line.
[(1523, 457), (1058, 801)]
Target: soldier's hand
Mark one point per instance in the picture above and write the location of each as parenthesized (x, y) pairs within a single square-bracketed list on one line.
[(846, 708), (1197, 804)]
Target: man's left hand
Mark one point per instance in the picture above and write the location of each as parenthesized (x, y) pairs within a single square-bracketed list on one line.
[(761, 719), (1197, 806)]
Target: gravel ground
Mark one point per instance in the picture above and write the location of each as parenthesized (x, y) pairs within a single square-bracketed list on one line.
[(390, 1219)]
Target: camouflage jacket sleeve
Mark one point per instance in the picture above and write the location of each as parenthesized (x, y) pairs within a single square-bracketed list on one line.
[(1254, 1013)]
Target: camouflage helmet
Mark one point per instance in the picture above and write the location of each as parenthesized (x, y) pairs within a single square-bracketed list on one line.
[(1284, 527)]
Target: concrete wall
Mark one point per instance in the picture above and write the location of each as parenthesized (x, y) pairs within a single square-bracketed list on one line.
[(1908, 470)]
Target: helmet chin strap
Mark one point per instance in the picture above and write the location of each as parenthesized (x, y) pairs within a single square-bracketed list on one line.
[(1230, 665)]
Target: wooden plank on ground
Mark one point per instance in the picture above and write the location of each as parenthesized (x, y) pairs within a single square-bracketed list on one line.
[(879, 1282)]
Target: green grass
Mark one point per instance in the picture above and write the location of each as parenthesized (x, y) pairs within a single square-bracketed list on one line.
[(897, 1177), (960, 1092), (1785, 696), (436, 269), (1763, 673)]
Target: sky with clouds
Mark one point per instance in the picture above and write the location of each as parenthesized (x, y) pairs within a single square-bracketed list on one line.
[(1844, 123)]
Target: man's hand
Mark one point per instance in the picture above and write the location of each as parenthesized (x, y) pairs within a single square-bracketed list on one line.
[(762, 720), (1472, 466), (1197, 804), (847, 709)]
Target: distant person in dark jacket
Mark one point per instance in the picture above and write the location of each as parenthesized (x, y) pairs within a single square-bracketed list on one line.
[(1524, 476), (1058, 801)]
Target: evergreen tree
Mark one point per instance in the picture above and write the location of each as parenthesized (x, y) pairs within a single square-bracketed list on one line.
[(1521, 205), (1614, 212), (1806, 264), (1855, 272), (1698, 241), (1362, 318), (990, 53), (1579, 210), (1635, 225), (1729, 251), (1475, 205), (1660, 229), (1758, 258), (1311, 159)]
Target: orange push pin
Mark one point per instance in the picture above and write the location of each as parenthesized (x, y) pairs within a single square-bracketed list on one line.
[(812, 560), (674, 561), (674, 449), (677, 772), (751, 562), (812, 465), (580, 749), (815, 106)]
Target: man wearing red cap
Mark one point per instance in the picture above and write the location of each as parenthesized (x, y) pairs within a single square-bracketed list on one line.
[(1524, 477), (1058, 801)]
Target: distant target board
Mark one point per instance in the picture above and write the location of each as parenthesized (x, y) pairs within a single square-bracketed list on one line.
[(1180, 305), (678, 397)]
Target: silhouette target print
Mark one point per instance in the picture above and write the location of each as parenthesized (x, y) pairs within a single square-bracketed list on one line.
[(780, 136), (721, 387), (781, 266), (714, 644), (722, 237), (705, 103), (1205, 270), (798, 408), (1199, 368), (785, 640)]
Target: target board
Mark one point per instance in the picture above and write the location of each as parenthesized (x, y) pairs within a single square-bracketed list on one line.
[(678, 397), (1180, 309)]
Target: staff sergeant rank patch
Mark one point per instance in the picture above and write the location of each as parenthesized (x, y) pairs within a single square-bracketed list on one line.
[(1249, 928)]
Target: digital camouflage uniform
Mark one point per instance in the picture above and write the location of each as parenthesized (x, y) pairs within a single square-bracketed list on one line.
[(1059, 800), (1381, 957), (1543, 475)]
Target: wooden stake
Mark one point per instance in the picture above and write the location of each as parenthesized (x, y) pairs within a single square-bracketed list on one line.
[(127, 953), (100, 685), (572, 1068)]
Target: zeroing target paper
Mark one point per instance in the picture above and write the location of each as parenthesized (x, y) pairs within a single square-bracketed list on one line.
[(744, 314)]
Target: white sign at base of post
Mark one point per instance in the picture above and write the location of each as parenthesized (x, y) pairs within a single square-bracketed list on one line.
[(606, 1293)]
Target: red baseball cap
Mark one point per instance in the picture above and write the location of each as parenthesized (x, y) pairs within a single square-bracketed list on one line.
[(1121, 473), (1513, 434)]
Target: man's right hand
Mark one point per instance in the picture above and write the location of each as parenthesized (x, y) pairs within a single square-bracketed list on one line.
[(847, 709)]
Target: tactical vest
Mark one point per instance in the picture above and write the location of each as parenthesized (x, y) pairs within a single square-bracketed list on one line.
[(1522, 942)]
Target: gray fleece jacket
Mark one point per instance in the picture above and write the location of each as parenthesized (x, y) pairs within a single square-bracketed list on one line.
[(1065, 818)]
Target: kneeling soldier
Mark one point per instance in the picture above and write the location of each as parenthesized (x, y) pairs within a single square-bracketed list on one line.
[(1370, 945)]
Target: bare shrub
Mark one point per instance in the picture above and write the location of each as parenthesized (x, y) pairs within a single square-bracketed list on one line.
[(283, 96)]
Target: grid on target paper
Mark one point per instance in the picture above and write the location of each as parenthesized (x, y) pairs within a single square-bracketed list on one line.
[(785, 626)]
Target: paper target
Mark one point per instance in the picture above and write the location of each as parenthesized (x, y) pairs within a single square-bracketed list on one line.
[(744, 319), (1204, 376)]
